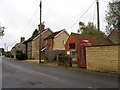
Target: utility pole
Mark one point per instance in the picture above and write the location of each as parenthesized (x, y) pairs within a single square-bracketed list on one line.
[(5, 46), (98, 17), (40, 32)]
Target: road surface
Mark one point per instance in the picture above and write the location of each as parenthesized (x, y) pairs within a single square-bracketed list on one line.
[(17, 74)]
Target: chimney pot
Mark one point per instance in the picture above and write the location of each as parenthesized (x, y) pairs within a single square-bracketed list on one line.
[(41, 27), (22, 39)]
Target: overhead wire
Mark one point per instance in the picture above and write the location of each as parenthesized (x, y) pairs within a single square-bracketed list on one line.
[(30, 20), (82, 15)]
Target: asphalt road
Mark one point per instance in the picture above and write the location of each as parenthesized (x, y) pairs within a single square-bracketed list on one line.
[(17, 74)]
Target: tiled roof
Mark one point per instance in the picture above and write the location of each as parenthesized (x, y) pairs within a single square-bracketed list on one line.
[(115, 36), (31, 38), (53, 34), (94, 40)]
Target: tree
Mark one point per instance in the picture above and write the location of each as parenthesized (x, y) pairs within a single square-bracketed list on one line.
[(113, 16), (2, 31), (90, 29), (35, 32)]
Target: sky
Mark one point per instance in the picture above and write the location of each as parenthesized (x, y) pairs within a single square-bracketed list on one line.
[(21, 17)]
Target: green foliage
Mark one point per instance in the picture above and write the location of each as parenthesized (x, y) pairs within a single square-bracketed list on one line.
[(113, 16), (61, 54), (7, 54), (2, 31), (90, 29), (35, 32), (21, 56)]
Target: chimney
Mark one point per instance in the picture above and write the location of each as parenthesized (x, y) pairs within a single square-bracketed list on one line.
[(22, 39), (42, 27)]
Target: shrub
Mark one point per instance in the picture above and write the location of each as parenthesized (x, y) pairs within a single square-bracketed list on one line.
[(12, 56), (21, 56)]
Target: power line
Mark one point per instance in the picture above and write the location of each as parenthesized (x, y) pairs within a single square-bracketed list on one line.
[(82, 15), (29, 21)]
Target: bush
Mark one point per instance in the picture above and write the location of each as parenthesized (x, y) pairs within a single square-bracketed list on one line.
[(12, 56), (21, 56)]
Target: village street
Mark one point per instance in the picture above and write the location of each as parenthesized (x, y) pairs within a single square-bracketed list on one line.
[(17, 74)]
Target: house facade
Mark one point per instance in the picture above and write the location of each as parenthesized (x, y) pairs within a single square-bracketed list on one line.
[(55, 43), (33, 43), (19, 47), (36, 44), (76, 46)]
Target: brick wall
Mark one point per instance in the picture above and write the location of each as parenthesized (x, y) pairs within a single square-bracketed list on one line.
[(103, 58)]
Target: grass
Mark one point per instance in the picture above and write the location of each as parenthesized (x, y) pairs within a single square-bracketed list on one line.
[(92, 71), (55, 63)]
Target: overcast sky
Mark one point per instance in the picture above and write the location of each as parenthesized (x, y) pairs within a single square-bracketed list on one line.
[(21, 17)]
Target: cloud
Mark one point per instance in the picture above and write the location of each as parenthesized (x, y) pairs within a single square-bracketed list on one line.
[(21, 17)]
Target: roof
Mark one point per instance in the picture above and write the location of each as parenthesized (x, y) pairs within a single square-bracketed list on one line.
[(31, 38), (114, 31), (55, 34), (15, 45), (93, 39), (115, 36)]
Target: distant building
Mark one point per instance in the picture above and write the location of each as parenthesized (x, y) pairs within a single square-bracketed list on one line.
[(19, 47), (1, 51)]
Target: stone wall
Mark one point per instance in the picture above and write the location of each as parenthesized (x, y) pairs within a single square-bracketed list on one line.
[(59, 41), (29, 50), (36, 43), (103, 58)]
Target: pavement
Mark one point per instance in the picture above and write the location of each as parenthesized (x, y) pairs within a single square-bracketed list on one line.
[(17, 74)]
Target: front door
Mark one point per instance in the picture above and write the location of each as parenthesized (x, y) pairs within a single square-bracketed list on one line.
[(82, 56)]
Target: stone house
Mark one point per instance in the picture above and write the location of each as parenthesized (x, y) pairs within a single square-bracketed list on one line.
[(36, 41), (19, 47), (33, 43), (76, 46), (55, 43)]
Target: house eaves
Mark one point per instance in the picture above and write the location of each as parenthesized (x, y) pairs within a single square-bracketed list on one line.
[(62, 32), (43, 33)]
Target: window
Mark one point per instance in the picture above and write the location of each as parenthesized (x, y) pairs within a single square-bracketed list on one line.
[(72, 45), (63, 42), (73, 55)]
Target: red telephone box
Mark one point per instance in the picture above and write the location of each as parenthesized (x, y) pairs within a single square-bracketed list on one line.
[(82, 62)]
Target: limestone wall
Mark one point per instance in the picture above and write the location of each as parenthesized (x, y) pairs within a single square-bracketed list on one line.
[(103, 58)]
